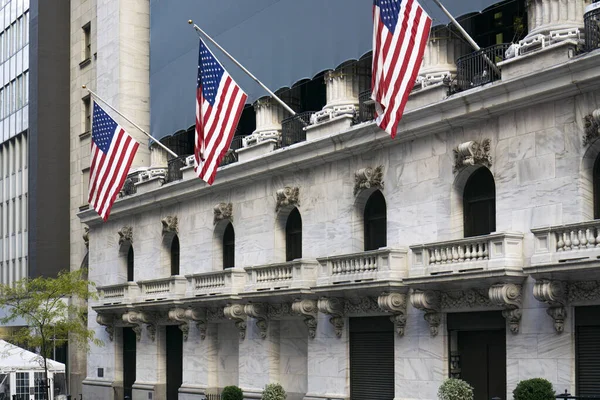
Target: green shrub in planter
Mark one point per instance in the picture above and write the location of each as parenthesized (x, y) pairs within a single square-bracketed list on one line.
[(534, 389), (455, 389), (232, 393), (274, 391)]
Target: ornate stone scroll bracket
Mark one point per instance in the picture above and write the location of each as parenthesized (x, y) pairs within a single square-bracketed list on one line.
[(428, 301), (125, 235), (591, 126), (366, 178), (508, 296), (553, 293), (472, 153), (200, 317), (108, 322), (222, 211), (334, 307), (169, 224), (236, 313), (309, 310), (86, 237), (258, 311), (137, 319), (178, 315), (288, 196), (396, 304)]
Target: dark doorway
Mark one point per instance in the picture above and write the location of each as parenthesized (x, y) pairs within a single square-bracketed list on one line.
[(129, 342), (229, 247), (478, 352), (375, 222), (479, 204), (371, 358), (587, 350), (174, 361), (293, 236)]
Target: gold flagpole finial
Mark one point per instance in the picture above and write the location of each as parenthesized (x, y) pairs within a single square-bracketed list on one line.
[(83, 87), (190, 21)]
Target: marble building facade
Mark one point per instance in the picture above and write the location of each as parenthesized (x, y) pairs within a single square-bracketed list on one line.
[(531, 275)]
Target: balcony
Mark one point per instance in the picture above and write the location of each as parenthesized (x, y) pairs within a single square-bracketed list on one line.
[(366, 106), (292, 128), (123, 293), (298, 274), (480, 67), (231, 155), (591, 20), (227, 282), (370, 266), (173, 287)]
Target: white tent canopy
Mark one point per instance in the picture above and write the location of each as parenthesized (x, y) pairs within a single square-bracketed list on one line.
[(14, 358)]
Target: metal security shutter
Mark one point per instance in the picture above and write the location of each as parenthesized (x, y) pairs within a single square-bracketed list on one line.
[(587, 343), (371, 359)]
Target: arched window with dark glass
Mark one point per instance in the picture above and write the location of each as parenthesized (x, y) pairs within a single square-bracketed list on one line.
[(293, 236), (130, 264), (229, 247), (375, 221), (175, 256), (597, 188), (479, 204)]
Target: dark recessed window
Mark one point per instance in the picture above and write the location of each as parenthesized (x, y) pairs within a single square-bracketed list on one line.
[(479, 204), (375, 222), (293, 236), (130, 264), (175, 256), (229, 247), (597, 188)]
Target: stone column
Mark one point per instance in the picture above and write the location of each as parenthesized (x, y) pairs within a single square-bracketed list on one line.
[(440, 55), (269, 114), (549, 15)]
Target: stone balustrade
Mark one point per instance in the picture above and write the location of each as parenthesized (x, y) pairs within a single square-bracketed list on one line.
[(227, 282), (162, 289), (298, 274), (573, 242), (375, 265), (123, 293), (494, 251)]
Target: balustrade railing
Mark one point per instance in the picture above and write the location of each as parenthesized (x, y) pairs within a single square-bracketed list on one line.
[(375, 265), (228, 281), (118, 294), (165, 288), (298, 274), (566, 242)]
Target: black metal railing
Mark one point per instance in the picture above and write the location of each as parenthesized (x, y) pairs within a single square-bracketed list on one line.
[(174, 168), (366, 106), (591, 21), (213, 396), (480, 67), (231, 156), (292, 128), (567, 396), (236, 142)]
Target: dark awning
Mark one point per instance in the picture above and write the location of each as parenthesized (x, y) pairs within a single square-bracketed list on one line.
[(280, 41)]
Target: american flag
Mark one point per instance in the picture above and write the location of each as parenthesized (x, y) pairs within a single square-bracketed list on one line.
[(400, 34), (219, 104), (113, 151)]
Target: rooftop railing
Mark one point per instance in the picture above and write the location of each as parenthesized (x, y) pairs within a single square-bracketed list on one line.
[(292, 128), (480, 67), (366, 106), (591, 21)]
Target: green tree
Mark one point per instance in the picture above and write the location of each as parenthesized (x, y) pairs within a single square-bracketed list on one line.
[(46, 305)]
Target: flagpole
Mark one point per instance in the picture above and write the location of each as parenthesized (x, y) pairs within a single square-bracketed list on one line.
[(198, 30), (130, 121)]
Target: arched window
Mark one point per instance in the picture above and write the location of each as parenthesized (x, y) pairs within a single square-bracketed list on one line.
[(375, 218), (130, 264), (175, 256), (229, 247), (597, 188), (479, 203), (293, 236)]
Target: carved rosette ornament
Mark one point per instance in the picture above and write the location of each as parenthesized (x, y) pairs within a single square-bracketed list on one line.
[(278, 311), (591, 125), (508, 296), (553, 293), (472, 153), (169, 224), (428, 301), (258, 311), (334, 307), (86, 237), (396, 304), (200, 317), (366, 178), (178, 315), (125, 235), (222, 211), (362, 305), (288, 196), (236, 313), (309, 310), (108, 322), (465, 299)]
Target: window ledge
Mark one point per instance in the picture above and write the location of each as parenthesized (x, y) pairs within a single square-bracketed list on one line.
[(85, 62), (84, 134), (84, 207)]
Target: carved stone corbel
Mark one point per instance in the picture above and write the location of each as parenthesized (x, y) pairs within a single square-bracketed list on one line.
[(258, 311), (472, 153), (125, 235), (200, 318), (169, 224), (591, 125), (366, 178), (236, 313), (508, 296), (108, 322), (334, 307), (553, 293), (288, 196), (86, 237), (308, 309), (396, 304), (222, 211), (137, 318), (428, 301), (178, 315)]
